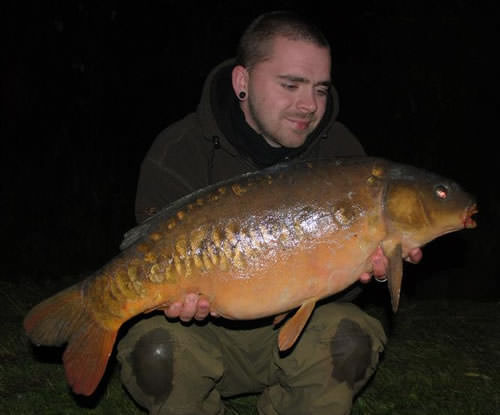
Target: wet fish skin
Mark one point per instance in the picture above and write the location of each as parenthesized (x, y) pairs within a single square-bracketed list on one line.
[(258, 245)]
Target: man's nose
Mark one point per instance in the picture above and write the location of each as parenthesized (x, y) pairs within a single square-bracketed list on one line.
[(307, 101)]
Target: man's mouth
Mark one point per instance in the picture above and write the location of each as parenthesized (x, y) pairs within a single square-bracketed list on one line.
[(300, 124)]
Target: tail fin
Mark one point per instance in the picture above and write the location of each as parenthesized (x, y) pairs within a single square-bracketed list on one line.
[(63, 319)]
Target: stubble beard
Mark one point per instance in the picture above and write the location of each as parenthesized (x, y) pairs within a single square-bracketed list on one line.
[(274, 139)]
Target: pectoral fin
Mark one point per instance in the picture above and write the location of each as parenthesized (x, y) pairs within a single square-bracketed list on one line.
[(394, 273), (293, 327)]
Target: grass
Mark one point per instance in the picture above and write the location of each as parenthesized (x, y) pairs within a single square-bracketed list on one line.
[(443, 358)]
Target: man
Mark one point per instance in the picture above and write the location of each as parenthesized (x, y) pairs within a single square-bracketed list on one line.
[(274, 103)]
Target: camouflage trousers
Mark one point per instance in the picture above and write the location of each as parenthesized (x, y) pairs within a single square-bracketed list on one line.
[(173, 369)]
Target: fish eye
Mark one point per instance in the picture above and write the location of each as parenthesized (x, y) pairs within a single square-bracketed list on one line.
[(441, 191)]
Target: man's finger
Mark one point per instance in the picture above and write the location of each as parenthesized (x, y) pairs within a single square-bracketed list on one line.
[(380, 264), (415, 256), (365, 277), (173, 310), (203, 309), (189, 307)]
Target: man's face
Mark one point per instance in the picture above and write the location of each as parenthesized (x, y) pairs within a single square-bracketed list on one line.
[(287, 94)]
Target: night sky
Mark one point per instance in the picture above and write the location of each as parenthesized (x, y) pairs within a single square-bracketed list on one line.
[(86, 87)]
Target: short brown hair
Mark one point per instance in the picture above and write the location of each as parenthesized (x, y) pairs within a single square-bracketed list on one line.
[(254, 44)]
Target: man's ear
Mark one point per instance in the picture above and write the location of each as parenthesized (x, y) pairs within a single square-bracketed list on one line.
[(240, 79)]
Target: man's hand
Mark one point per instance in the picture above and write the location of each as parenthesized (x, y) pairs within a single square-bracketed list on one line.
[(193, 306), (380, 263)]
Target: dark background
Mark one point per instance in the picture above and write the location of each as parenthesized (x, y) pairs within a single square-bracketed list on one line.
[(86, 86)]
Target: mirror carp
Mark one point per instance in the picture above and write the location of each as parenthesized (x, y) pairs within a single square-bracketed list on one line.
[(261, 244)]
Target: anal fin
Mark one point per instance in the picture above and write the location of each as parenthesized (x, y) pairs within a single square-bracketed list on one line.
[(294, 326)]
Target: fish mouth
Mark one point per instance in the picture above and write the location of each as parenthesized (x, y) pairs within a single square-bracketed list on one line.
[(468, 221)]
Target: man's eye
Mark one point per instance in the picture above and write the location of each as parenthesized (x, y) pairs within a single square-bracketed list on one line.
[(322, 92), (289, 86)]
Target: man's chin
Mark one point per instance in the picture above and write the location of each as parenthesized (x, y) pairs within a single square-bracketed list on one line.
[(291, 139), (295, 139)]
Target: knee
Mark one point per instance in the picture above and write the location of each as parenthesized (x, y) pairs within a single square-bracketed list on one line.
[(151, 362), (352, 352)]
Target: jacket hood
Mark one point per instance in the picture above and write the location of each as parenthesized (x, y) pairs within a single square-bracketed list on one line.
[(213, 129)]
